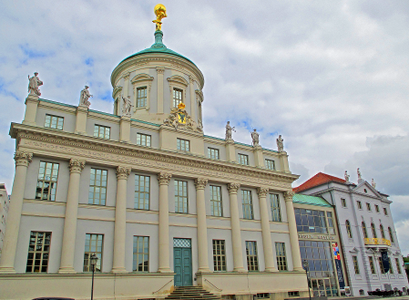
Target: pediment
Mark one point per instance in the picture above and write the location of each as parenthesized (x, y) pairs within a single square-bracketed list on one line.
[(141, 77), (366, 188), (178, 79)]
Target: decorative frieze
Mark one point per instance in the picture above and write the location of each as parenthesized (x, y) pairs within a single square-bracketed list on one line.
[(76, 165), (233, 187), (23, 158), (200, 183), (123, 172), (164, 178)]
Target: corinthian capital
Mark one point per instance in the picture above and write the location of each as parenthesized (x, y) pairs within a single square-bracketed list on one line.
[(23, 158), (123, 172), (200, 183), (288, 196), (76, 165), (160, 70), (262, 191), (233, 187), (164, 178)]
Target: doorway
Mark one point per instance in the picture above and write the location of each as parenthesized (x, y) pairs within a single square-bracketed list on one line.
[(182, 261)]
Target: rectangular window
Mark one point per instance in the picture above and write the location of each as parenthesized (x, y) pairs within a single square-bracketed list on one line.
[(385, 211), (47, 181), (398, 266), (330, 223), (243, 159), (143, 139), (390, 266), (343, 202), (213, 153), (181, 204), (251, 252), (372, 265), (98, 187), (381, 265), (183, 145), (247, 202), (177, 97), (359, 203), (141, 96), (38, 252), (270, 164), (102, 132), (140, 254), (54, 122), (93, 244), (275, 208), (216, 200), (377, 208), (310, 220), (142, 192), (219, 255), (368, 206), (281, 257), (356, 266)]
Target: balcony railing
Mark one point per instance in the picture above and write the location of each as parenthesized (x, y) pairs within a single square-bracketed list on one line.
[(375, 241)]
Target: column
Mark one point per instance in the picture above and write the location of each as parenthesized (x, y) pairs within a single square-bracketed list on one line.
[(8, 255), (164, 179), (265, 230), (70, 222), (292, 227), (201, 226), (31, 110), (235, 228), (160, 72), (122, 174), (193, 103)]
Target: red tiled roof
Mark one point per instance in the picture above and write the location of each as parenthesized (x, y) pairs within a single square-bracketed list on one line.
[(316, 180)]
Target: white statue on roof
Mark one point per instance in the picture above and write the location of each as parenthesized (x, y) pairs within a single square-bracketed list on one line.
[(33, 84), (127, 106), (84, 96), (255, 136), (280, 143), (229, 131), (346, 176), (373, 183), (359, 174)]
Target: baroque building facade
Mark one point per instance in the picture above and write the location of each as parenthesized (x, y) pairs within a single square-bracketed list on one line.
[(160, 203), (367, 232)]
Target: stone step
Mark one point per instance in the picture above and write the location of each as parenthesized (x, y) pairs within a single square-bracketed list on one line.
[(191, 293)]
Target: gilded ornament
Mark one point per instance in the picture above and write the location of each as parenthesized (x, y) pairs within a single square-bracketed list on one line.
[(160, 12)]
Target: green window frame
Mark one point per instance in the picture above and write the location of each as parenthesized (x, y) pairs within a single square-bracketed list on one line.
[(142, 192)]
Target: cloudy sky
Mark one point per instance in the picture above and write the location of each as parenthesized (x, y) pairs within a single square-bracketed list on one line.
[(331, 76)]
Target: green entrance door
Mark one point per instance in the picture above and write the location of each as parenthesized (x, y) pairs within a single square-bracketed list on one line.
[(182, 262)]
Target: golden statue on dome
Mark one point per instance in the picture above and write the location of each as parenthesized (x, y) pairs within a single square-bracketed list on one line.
[(160, 12)]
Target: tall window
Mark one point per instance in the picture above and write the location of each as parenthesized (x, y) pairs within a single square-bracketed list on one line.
[(365, 233), (390, 266), (247, 202), (183, 145), (373, 230), (372, 265), (141, 96), (177, 97), (181, 204), (348, 226), (219, 255), (270, 164), (54, 122), (140, 254), (368, 206), (213, 153), (330, 223), (143, 139), (381, 265), (142, 192), (281, 257), (382, 232), (343, 202), (103, 132), (385, 211), (398, 266), (243, 159), (38, 252), (275, 208), (251, 252), (356, 266), (47, 181), (93, 244), (310, 220), (98, 187), (391, 235), (216, 200), (377, 208), (359, 204)]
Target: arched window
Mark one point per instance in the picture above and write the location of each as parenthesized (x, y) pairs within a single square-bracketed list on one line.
[(348, 226), (382, 232), (391, 235), (364, 230), (373, 231)]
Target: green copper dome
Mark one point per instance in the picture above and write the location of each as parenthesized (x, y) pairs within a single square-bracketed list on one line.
[(159, 47)]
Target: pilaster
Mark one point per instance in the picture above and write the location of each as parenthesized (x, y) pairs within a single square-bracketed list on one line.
[(31, 110), (230, 151), (164, 266), (81, 121), (125, 129), (160, 71), (292, 227), (193, 103), (202, 246), (284, 162), (258, 156)]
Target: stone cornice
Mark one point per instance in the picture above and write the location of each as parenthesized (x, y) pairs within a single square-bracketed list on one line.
[(62, 144)]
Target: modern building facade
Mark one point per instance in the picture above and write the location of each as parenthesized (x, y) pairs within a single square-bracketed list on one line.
[(4, 208), (319, 245), (366, 231), (160, 203)]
